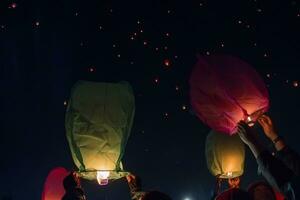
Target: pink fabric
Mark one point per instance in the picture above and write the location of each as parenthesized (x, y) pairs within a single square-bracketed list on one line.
[(225, 90), (53, 187)]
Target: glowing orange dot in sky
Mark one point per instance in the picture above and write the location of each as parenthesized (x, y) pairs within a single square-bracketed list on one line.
[(167, 62)]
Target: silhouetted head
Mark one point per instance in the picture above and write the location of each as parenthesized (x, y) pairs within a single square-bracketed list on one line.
[(71, 181), (261, 191), (233, 194), (156, 195)]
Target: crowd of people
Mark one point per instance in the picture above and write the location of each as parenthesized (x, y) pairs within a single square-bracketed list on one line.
[(278, 170)]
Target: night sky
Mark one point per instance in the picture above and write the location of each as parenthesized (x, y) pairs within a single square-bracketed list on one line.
[(47, 45)]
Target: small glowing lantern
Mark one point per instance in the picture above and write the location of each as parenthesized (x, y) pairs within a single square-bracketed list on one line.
[(167, 62), (225, 155), (98, 123)]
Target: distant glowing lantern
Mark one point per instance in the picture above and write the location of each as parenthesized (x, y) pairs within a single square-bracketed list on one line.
[(12, 5), (225, 90), (92, 69), (98, 123), (167, 62), (225, 155)]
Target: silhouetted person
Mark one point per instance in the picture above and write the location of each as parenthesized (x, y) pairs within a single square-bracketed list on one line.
[(233, 194), (136, 192), (279, 169), (261, 191), (72, 188)]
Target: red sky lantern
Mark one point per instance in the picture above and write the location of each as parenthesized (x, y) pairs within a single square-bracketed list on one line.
[(225, 90)]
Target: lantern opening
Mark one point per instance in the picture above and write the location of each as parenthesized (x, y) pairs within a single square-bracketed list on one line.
[(102, 177)]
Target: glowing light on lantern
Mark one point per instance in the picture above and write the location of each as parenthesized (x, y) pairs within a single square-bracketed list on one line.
[(102, 177), (229, 174), (249, 119)]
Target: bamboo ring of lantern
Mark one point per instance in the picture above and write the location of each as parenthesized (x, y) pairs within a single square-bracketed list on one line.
[(225, 155), (102, 176)]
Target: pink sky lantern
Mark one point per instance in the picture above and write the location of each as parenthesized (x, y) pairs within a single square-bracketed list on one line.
[(53, 187), (225, 90)]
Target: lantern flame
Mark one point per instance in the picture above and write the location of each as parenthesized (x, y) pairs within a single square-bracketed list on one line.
[(249, 121), (229, 174), (102, 177)]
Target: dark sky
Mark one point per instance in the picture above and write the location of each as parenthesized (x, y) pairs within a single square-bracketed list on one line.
[(46, 46)]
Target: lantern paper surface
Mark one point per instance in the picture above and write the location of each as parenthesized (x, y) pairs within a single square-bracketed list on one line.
[(225, 155), (225, 90), (53, 187), (98, 123)]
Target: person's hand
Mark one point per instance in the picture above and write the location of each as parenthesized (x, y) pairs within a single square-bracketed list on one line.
[(267, 125), (234, 182), (130, 178), (76, 177)]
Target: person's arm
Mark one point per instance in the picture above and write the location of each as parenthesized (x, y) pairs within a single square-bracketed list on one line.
[(250, 138), (135, 187), (289, 157), (274, 171)]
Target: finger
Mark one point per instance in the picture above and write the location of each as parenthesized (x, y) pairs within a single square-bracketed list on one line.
[(263, 120), (263, 117), (268, 119), (260, 121)]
